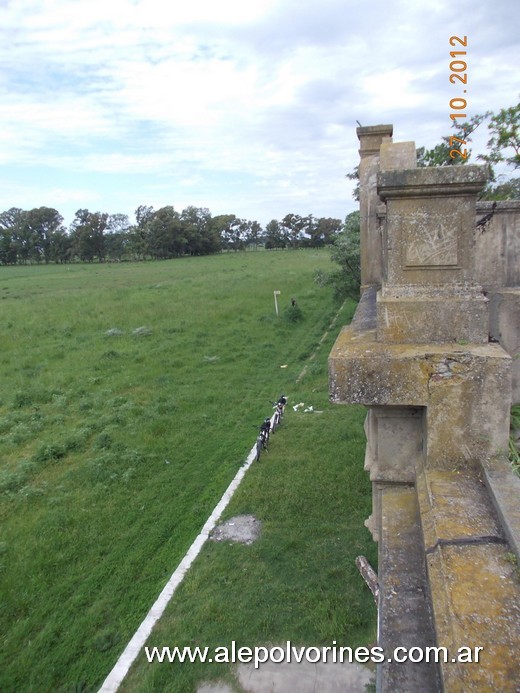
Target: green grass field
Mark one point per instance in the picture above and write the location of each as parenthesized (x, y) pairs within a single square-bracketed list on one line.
[(128, 398)]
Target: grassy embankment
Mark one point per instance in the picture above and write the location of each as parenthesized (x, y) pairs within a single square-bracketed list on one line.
[(115, 449)]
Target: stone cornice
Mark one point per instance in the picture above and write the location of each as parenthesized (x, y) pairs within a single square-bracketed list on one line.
[(432, 181)]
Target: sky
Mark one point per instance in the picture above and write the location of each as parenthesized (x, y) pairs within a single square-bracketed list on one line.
[(245, 107)]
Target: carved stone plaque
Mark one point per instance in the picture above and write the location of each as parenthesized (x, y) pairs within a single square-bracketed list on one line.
[(430, 240)]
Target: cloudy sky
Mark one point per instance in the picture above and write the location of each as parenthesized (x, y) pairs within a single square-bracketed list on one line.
[(246, 107)]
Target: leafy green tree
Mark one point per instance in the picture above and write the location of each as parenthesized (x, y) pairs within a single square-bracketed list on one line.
[(227, 228), (443, 154), (253, 233), (354, 175), (503, 148), (274, 238), (88, 235), (504, 143), (61, 250), (117, 236), (166, 237), (42, 224), (323, 231), (7, 249), (12, 243), (346, 279), (138, 246), (293, 227), (200, 233), (21, 235)]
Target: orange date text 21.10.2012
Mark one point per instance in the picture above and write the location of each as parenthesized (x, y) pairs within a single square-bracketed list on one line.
[(458, 75)]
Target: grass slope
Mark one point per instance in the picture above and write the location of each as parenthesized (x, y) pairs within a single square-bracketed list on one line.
[(115, 448)]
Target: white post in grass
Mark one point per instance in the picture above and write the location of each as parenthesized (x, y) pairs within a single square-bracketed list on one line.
[(276, 294)]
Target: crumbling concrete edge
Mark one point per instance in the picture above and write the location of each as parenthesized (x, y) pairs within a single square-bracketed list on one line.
[(504, 490)]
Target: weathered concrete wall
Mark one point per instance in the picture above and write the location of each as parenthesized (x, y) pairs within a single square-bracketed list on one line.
[(497, 245), (418, 353), (498, 268)]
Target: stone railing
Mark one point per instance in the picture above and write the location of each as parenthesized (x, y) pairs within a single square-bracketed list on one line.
[(420, 355)]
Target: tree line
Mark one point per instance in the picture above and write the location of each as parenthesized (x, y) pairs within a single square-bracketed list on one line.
[(40, 236)]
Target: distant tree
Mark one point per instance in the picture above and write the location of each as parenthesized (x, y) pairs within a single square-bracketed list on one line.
[(253, 233), (143, 215), (61, 250), (13, 247), (118, 223), (88, 235), (293, 227), (200, 233), (138, 234), (22, 236), (274, 238), (323, 231), (166, 238), (7, 249), (227, 228), (42, 224)]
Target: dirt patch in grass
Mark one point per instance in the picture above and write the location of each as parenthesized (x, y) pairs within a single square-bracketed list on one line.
[(242, 528)]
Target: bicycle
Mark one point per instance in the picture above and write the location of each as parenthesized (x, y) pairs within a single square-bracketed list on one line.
[(263, 437), (279, 408)]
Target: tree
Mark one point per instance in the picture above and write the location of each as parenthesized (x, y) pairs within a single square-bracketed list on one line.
[(227, 228), (7, 248), (354, 175), (324, 231), (138, 234), (253, 233), (117, 238), (504, 148), (143, 215), (61, 246), (504, 144), (41, 225), (12, 242), (165, 238), (202, 238), (346, 279), (274, 237), (443, 154), (293, 227), (21, 235), (508, 190), (88, 234)]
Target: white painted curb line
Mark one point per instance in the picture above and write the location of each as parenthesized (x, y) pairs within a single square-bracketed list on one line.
[(136, 644)]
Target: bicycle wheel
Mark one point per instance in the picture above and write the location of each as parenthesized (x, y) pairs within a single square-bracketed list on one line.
[(259, 442)]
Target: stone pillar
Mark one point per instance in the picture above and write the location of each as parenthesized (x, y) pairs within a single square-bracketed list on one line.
[(430, 257), (370, 140)]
